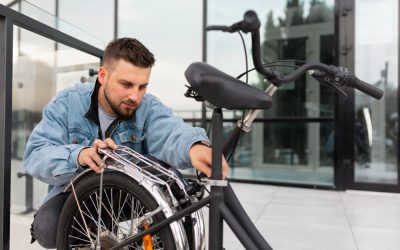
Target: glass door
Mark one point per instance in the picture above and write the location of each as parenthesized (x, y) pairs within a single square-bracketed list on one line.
[(293, 141), (376, 122), (296, 135)]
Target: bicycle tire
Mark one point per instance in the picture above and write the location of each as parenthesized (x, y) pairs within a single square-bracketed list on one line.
[(116, 186)]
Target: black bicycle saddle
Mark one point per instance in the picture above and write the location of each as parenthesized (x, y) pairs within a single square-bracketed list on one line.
[(223, 90)]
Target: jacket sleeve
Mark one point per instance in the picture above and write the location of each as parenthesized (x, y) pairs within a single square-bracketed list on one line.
[(49, 156), (168, 137)]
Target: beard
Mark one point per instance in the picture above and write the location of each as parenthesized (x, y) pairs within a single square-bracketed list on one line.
[(122, 113)]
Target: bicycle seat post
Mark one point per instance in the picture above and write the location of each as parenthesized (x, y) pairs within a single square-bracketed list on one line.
[(216, 121), (217, 192)]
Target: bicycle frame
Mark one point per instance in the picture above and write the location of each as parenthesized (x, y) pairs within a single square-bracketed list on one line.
[(224, 205)]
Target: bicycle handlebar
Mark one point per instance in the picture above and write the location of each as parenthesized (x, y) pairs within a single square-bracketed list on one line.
[(330, 75), (341, 76), (250, 23)]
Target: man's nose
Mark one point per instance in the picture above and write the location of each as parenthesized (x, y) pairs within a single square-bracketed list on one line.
[(133, 94)]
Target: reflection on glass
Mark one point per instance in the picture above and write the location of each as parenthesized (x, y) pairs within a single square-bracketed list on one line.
[(376, 123), (300, 36), (299, 30), (284, 155), (290, 98), (44, 13), (38, 74), (7, 2), (285, 143), (289, 151)]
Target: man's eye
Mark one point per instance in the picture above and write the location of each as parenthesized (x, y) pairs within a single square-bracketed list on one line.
[(143, 87)]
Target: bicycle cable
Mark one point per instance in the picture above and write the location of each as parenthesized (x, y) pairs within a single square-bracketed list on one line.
[(244, 111), (246, 73), (273, 64), (243, 114)]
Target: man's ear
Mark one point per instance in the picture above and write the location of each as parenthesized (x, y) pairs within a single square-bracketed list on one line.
[(102, 75)]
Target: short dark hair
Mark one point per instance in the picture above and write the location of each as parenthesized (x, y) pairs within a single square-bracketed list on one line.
[(130, 50)]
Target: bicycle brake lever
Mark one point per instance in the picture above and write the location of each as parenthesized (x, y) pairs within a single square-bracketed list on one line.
[(327, 80)]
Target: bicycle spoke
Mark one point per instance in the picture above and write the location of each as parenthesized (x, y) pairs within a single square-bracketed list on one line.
[(111, 214), (77, 229), (125, 220), (79, 245), (121, 213), (80, 210), (111, 207), (95, 207), (74, 237), (95, 222), (112, 219), (121, 208), (100, 203)]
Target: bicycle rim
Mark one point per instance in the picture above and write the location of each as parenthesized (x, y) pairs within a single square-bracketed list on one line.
[(123, 204)]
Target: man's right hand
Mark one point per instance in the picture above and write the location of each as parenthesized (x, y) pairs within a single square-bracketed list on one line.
[(89, 157)]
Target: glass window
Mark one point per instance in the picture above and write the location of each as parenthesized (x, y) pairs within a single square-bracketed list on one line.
[(38, 74), (32, 6), (6, 2), (95, 17), (172, 30), (78, 27), (293, 150), (300, 30), (376, 62)]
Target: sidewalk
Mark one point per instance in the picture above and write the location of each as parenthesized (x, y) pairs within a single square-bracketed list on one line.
[(297, 218)]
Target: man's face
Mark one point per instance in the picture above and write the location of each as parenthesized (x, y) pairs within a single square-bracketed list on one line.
[(123, 86)]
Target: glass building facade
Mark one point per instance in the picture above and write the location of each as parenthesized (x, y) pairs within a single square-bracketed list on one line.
[(291, 142), (304, 139), (376, 122)]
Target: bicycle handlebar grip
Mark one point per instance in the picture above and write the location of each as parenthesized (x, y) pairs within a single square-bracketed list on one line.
[(367, 89), (343, 76), (250, 22)]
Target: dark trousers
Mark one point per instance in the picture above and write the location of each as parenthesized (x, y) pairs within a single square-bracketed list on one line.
[(45, 221)]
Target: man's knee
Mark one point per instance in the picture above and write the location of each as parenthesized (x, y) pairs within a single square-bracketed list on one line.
[(45, 222)]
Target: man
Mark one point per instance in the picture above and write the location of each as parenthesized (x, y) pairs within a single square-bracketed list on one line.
[(114, 111)]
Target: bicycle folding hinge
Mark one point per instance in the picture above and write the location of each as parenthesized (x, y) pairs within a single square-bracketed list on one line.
[(216, 183), (246, 123)]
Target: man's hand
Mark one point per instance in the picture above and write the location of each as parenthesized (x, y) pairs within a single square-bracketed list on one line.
[(201, 156), (90, 156)]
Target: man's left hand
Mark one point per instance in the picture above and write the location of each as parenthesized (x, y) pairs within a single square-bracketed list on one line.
[(201, 156)]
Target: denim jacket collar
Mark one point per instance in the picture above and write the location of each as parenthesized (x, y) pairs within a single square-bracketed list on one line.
[(93, 112)]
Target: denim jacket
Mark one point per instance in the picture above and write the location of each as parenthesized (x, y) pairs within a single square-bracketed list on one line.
[(70, 123)]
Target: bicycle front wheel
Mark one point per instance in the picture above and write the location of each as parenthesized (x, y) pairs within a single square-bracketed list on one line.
[(124, 202)]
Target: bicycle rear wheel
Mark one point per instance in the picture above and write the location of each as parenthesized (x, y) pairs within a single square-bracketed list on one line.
[(123, 202)]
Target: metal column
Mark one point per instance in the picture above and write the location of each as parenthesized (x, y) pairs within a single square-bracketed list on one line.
[(6, 39)]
